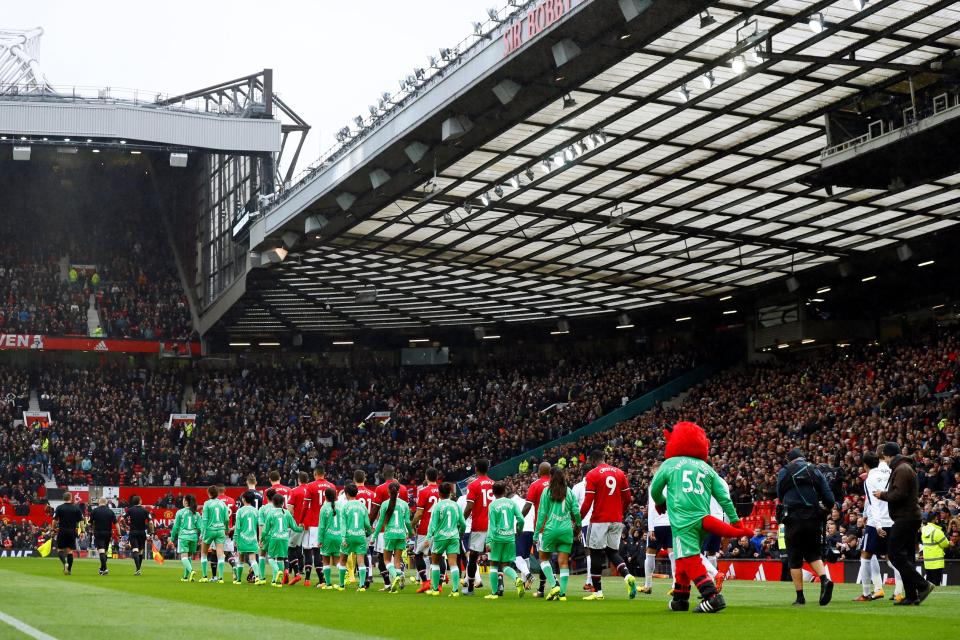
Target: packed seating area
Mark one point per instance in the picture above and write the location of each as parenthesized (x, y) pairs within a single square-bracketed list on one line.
[(47, 283), (22, 459), (834, 404)]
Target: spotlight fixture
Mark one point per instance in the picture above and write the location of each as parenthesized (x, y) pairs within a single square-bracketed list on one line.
[(708, 80), (529, 174), (706, 19), (684, 93), (515, 181), (446, 54), (816, 23), (498, 190), (485, 199), (447, 219), (756, 55), (343, 134), (492, 14), (738, 64), (569, 154), (569, 102), (467, 207), (546, 165), (792, 284), (358, 121), (623, 321), (860, 5)]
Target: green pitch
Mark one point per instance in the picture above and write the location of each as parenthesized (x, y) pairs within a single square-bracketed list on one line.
[(156, 605)]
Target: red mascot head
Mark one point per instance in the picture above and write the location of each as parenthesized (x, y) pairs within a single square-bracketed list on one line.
[(686, 439)]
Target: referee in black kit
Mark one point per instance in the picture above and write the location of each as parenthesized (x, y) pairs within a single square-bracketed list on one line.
[(804, 496), (139, 522), (66, 518), (104, 520)]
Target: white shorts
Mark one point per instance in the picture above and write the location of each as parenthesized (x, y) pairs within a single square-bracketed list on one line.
[(422, 546), (308, 539), (605, 535), (296, 539), (228, 546), (378, 545), (478, 541)]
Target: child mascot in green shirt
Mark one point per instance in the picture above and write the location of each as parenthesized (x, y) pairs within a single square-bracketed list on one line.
[(690, 483)]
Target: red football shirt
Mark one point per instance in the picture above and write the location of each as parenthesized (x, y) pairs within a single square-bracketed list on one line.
[(298, 501), (608, 492), (283, 490), (536, 491), (365, 495), (382, 493), (231, 508), (315, 500), (480, 492), (426, 498)]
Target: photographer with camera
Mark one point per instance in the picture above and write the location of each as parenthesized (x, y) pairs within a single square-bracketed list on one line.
[(805, 498)]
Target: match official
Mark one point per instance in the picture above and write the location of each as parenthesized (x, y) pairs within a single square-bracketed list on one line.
[(104, 520), (66, 518), (139, 523), (804, 498)]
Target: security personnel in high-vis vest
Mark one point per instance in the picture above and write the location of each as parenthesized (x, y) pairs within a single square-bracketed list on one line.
[(782, 546), (934, 543)]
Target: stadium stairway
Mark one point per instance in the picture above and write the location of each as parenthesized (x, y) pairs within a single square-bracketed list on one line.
[(93, 317), (675, 387)]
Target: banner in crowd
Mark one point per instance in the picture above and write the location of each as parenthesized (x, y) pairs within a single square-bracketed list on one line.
[(36, 419), (32, 342), (381, 417), (186, 422), (79, 492), (18, 553), (174, 349), (39, 514)]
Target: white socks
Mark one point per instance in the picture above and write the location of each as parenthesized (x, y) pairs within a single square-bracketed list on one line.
[(865, 577), (525, 570), (708, 565), (875, 572), (649, 566), (673, 565)]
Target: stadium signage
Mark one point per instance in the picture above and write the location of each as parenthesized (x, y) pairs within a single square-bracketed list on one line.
[(536, 20), (20, 342)]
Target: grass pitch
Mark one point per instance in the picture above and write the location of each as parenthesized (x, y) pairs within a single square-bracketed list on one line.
[(156, 605)]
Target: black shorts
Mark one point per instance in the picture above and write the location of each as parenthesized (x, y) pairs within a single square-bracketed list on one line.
[(712, 544), (101, 540), (137, 540), (66, 540), (803, 541), (873, 543), (524, 544)]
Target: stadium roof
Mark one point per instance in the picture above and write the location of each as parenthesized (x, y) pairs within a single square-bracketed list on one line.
[(665, 183)]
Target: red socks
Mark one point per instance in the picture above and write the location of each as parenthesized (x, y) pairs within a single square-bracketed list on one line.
[(720, 528)]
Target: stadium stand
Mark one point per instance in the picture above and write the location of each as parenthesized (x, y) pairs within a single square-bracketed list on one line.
[(834, 404)]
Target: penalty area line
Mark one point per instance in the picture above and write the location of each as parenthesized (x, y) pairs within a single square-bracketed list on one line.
[(24, 628)]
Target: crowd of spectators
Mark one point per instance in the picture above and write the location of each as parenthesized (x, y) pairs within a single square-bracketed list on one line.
[(22, 458), (19, 535), (94, 244), (835, 405)]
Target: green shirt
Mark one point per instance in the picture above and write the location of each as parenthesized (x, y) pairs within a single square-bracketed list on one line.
[(263, 512), (186, 525), (215, 515), (245, 529), (446, 521), (399, 526), (278, 525), (330, 522), (690, 484), (506, 520), (556, 517), (356, 520)]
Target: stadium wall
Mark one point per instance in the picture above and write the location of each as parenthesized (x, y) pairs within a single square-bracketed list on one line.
[(609, 421)]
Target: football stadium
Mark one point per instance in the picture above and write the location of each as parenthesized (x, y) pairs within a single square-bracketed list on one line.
[(607, 314)]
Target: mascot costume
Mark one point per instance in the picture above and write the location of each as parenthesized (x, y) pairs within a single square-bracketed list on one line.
[(690, 484)]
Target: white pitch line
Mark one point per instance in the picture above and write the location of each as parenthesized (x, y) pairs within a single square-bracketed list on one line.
[(24, 628)]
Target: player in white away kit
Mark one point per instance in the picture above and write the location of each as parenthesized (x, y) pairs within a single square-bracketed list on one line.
[(711, 546), (659, 536), (580, 493), (465, 541), (524, 538), (877, 532)]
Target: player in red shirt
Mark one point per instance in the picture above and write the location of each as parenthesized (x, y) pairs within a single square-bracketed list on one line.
[(427, 496), (479, 497), (365, 495), (228, 546), (311, 521), (537, 487), (298, 503), (380, 495), (278, 488), (608, 494)]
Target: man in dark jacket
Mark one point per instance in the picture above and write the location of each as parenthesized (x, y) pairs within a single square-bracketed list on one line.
[(901, 497)]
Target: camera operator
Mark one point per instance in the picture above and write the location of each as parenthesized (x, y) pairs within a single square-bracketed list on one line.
[(804, 498)]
